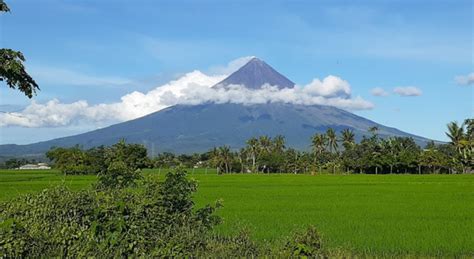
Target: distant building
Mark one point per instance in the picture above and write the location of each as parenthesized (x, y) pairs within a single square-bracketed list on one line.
[(39, 166)]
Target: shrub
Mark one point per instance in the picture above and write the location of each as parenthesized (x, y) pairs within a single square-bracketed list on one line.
[(107, 223), (307, 244)]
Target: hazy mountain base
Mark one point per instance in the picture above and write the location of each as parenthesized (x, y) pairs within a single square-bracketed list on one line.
[(188, 129)]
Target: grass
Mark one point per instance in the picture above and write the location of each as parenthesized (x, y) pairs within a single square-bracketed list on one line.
[(426, 215)]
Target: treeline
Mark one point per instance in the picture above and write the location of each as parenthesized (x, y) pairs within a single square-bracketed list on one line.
[(14, 163), (335, 153), (75, 160), (331, 152)]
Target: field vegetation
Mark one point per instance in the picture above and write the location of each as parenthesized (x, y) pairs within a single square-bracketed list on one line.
[(363, 214)]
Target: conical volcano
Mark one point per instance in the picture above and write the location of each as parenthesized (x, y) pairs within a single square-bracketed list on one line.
[(198, 128), (255, 74)]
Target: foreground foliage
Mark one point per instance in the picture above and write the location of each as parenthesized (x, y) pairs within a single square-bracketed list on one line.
[(158, 219)]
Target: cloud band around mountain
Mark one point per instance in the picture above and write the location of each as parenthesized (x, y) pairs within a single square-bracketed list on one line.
[(193, 88)]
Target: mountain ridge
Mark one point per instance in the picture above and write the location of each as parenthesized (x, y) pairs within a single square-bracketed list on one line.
[(198, 128)]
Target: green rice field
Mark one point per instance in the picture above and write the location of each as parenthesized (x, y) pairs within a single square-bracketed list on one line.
[(386, 215)]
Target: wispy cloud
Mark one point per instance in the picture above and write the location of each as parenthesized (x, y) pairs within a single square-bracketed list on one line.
[(465, 79), (407, 91), (67, 77), (378, 91), (230, 67)]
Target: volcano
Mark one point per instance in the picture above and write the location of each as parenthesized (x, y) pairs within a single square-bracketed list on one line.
[(198, 128)]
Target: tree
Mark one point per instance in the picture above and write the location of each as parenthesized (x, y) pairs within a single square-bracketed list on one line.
[(223, 158), (374, 130), (279, 144), (390, 149), (331, 140), (133, 155), (4, 7), (347, 138), (456, 134), (71, 160), (318, 143), (252, 149), (463, 142), (12, 69)]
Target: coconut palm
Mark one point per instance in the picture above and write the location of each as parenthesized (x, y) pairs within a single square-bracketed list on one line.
[(347, 138), (318, 142), (462, 142), (265, 143), (279, 144), (374, 130), (456, 134), (225, 158), (332, 140), (252, 150), (469, 129)]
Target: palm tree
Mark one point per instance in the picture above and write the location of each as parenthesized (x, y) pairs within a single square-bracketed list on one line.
[(225, 158), (215, 159), (332, 140), (279, 143), (241, 156), (469, 129), (347, 138), (265, 144), (252, 148), (318, 142), (456, 134), (462, 142), (374, 130)]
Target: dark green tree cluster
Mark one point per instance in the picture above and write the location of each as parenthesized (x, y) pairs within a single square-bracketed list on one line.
[(339, 152), (75, 160), (170, 160), (262, 155), (14, 163)]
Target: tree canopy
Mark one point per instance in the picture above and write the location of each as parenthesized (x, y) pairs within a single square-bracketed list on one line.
[(12, 70)]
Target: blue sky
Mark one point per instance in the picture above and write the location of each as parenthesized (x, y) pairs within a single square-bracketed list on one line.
[(100, 51)]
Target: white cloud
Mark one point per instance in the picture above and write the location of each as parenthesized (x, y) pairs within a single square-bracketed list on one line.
[(378, 91), (61, 76), (231, 67), (192, 88), (331, 86), (465, 79), (407, 91)]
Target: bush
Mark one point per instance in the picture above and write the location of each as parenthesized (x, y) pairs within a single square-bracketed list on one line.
[(151, 220), (118, 175), (307, 244)]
